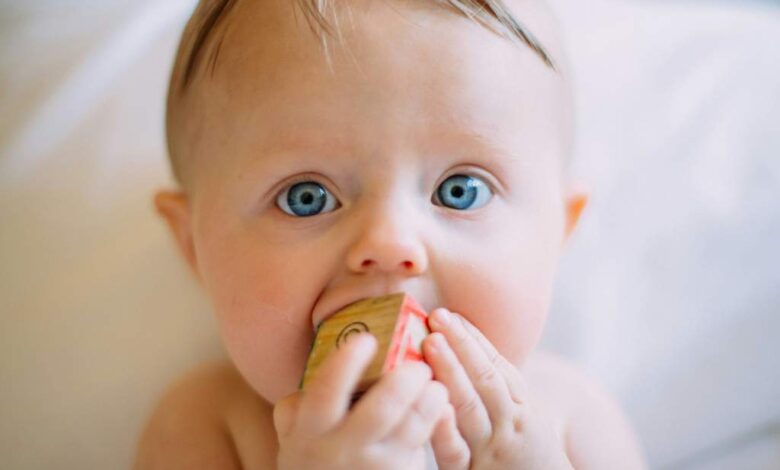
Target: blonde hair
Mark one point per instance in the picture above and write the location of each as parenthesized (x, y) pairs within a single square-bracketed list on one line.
[(492, 14)]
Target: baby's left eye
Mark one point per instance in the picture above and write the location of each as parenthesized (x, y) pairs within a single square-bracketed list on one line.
[(463, 192)]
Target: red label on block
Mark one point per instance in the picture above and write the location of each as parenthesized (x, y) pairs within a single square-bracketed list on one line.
[(411, 329)]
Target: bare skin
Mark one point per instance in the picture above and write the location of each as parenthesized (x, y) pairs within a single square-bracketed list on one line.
[(213, 419), (419, 102)]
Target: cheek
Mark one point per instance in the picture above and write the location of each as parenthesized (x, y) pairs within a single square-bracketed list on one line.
[(505, 290), (263, 297)]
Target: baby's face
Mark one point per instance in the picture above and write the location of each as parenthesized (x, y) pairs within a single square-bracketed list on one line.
[(428, 161)]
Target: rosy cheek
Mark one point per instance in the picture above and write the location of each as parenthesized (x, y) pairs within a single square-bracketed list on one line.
[(268, 340), (513, 323), (504, 296), (262, 301)]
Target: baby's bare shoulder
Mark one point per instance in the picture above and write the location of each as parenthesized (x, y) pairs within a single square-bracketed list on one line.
[(209, 419), (596, 432)]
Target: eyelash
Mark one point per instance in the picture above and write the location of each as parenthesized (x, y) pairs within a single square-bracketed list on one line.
[(284, 199)]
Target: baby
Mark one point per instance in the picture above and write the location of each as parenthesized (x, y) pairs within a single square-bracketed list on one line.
[(328, 153)]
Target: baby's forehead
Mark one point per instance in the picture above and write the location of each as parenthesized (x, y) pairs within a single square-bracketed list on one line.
[(425, 68)]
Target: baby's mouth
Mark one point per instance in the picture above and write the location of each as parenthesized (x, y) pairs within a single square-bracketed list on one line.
[(345, 302), (341, 307)]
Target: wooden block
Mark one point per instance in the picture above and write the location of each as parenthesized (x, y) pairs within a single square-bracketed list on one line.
[(398, 323)]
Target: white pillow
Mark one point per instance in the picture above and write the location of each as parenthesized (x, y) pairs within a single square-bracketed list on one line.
[(670, 291)]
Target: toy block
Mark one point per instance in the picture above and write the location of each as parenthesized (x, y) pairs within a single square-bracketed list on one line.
[(398, 323)]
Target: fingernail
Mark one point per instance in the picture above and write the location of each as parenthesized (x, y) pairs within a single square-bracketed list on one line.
[(365, 341), (441, 317)]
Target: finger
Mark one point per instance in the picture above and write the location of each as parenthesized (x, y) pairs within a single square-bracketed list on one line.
[(518, 388), (284, 414), (449, 448), (385, 404), (472, 417), (421, 418), (326, 399), (488, 382)]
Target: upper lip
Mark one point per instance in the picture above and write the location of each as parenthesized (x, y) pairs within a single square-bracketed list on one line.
[(327, 308)]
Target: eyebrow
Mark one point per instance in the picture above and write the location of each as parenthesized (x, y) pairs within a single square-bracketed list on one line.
[(454, 136), (219, 10)]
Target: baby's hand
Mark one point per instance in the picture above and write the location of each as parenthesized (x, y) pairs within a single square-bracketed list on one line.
[(494, 426), (386, 429)]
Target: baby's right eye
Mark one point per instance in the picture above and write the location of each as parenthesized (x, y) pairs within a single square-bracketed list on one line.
[(306, 199)]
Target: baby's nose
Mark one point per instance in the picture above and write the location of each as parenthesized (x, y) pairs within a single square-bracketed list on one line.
[(385, 245)]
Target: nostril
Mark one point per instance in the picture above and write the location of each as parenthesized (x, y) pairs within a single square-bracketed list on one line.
[(367, 263)]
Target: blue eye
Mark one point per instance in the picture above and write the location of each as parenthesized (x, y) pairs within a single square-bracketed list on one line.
[(306, 199), (463, 192)]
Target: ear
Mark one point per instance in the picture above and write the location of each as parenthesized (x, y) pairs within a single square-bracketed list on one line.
[(174, 207), (575, 200)]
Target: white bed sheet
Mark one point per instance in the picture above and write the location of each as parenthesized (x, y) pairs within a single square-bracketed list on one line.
[(669, 293)]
